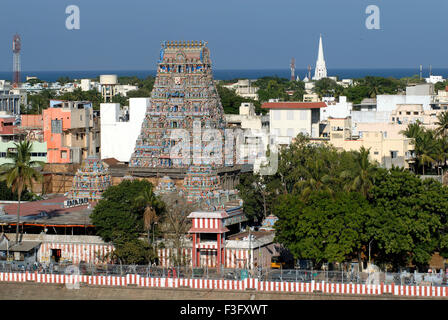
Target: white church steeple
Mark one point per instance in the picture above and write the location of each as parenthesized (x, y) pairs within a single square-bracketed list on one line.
[(321, 70)]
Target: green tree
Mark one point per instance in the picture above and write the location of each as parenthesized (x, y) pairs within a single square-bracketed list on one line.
[(442, 124), (426, 147), (153, 208), (361, 179), (325, 87), (63, 80), (119, 217), (409, 223), (19, 174), (323, 228)]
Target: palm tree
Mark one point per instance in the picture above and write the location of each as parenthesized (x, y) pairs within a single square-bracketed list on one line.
[(374, 86), (361, 179), (314, 178), (413, 130), (442, 124), (426, 148), (153, 205), (19, 174)]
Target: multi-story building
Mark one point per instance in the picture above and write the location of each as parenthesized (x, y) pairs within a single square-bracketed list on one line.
[(71, 130), (120, 128), (244, 88), (255, 133), (336, 109), (11, 99), (10, 134), (388, 147), (288, 119)]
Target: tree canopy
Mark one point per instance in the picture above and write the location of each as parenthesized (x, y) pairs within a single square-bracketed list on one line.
[(119, 218), (332, 205)]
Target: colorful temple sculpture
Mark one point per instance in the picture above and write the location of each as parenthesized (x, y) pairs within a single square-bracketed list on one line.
[(166, 185), (268, 223), (184, 94), (202, 185), (91, 180)]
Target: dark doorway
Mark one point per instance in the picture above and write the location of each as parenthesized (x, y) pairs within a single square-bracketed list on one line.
[(55, 255)]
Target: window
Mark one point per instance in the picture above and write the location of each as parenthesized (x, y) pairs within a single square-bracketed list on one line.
[(415, 113), (277, 114), (63, 154), (80, 117), (303, 114), (408, 113), (290, 115), (56, 126), (394, 154), (276, 132), (375, 152), (290, 132)]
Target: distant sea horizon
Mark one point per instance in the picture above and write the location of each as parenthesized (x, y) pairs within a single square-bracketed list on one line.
[(229, 74)]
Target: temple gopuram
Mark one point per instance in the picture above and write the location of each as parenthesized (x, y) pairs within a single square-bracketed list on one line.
[(183, 92), (184, 96), (91, 180)]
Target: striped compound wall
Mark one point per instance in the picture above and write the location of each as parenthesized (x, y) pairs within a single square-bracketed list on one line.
[(96, 253), (233, 258), (247, 284), (89, 253)]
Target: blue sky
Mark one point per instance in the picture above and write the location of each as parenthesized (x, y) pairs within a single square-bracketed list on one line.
[(242, 34)]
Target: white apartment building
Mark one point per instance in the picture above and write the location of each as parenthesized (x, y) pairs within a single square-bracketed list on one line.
[(288, 119), (386, 104), (120, 129), (336, 109), (252, 149)]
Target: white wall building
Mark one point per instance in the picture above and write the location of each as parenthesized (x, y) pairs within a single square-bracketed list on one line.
[(341, 109), (288, 119), (256, 138), (244, 88), (86, 85), (124, 89), (120, 130), (386, 104), (434, 79)]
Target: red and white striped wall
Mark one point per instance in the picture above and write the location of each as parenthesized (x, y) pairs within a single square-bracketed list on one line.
[(207, 223), (233, 258), (247, 284), (165, 255), (89, 253)]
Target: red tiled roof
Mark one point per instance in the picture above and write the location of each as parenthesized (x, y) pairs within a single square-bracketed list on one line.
[(293, 105), (35, 207)]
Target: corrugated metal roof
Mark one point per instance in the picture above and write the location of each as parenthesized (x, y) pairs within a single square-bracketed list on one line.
[(23, 246)]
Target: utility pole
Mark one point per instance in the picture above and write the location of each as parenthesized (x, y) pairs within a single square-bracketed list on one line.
[(250, 250)]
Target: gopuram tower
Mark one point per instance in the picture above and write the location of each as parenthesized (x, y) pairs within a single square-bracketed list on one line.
[(184, 94)]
